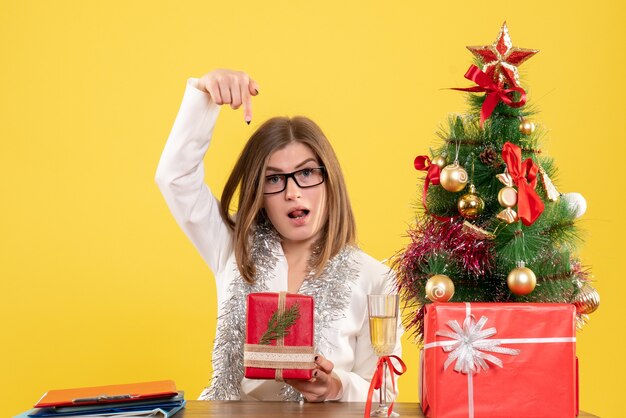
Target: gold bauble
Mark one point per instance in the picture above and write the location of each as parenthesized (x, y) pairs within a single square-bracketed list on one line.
[(470, 204), (521, 280), (453, 177), (527, 126), (587, 300), (440, 161), (439, 288), (507, 197)]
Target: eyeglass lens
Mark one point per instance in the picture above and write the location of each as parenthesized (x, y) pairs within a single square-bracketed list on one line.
[(307, 177)]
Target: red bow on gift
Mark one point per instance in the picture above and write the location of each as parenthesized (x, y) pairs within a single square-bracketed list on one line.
[(524, 174), (423, 163), (495, 92), (378, 378)]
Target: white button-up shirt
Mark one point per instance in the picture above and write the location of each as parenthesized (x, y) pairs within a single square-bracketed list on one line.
[(180, 176)]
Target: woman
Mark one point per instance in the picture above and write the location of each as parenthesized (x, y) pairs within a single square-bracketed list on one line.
[(294, 231)]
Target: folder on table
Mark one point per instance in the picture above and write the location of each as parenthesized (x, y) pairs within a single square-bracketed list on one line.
[(153, 408), (99, 395)]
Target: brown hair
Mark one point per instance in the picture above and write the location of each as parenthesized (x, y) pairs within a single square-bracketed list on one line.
[(339, 229)]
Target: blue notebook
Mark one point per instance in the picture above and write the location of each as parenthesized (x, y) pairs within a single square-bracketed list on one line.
[(155, 408)]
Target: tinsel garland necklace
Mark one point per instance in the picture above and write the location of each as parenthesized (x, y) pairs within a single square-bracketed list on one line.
[(331, 291)]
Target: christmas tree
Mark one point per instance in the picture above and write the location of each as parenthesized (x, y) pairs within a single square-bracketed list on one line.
[(494, 227)]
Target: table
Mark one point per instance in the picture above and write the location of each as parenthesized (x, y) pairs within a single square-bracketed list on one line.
[(254, 409)]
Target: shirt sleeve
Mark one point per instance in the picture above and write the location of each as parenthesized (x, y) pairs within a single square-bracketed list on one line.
[(180, 177)]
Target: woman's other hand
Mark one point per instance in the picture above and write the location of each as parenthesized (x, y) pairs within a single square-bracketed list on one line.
[(231, 87), (325, 385)]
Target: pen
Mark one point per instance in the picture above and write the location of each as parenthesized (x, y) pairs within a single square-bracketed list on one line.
[(102, 398)]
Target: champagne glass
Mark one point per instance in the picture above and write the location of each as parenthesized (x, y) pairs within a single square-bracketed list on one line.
[(383, 316)]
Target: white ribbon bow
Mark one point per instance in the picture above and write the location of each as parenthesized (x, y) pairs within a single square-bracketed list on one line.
[(472, 346)]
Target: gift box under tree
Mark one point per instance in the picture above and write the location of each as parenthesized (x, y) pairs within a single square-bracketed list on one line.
[(499, 360)]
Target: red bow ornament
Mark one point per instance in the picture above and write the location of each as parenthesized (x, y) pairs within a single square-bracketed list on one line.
[(379, 376), (423, 163), (496, 92), (524, 174)]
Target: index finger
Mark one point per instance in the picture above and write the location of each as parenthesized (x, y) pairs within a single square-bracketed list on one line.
[(246, 101), (247, 92), (324, 364)]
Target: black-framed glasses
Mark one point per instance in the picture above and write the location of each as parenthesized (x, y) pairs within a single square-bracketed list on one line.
[(304, 178)]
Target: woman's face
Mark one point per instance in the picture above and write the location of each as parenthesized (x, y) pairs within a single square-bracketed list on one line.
[(298, 214)]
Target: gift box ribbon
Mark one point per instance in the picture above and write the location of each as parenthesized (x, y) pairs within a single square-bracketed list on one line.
[(470, 346), (279, 356)]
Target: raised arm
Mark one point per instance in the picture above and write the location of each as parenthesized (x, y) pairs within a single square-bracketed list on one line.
[(180, 173)]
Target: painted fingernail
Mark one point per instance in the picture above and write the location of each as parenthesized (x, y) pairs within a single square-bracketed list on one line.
[(315, 373), (316, 357), (248, 121), (257, 91)]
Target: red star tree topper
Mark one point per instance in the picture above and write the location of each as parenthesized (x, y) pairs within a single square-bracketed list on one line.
[(501, 58)]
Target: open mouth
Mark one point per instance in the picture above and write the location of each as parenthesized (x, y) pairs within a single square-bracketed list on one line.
[(297, 214)]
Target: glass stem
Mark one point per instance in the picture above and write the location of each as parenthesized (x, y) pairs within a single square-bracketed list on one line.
[(383, 388)]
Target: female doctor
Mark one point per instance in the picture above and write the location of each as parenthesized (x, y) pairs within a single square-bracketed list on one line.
[(293, 231)]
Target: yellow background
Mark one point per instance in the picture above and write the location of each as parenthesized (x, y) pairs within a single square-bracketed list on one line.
[(99, 285)]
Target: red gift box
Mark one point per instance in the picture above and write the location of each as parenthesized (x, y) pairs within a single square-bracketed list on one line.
[(288, 357), (499, 360)]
